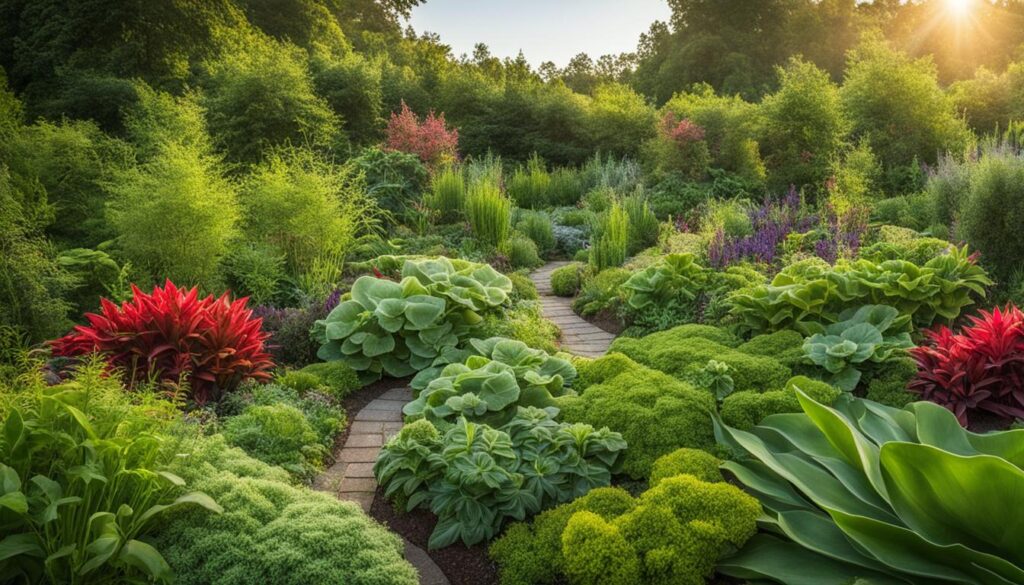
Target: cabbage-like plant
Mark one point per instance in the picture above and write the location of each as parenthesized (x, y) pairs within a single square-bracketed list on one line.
[(488, 387), (400, 328), (865, 491), (675, 276), (475, 477), (870, 334)]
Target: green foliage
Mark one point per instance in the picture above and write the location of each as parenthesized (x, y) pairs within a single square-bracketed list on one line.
[(869, 335), (265, 98), (897, 244), (297, 390), (175, 215), (489, 213), (525, 323), (84, 481), (564, 187), (609, 242), (699, 464), (94, 273), (256, 272), (745, 410), (888, 385), (643, 224), (395, 180), (537, 226), (678, 350), (601, 292), (522, 252), (655, 413), (619, 120), (939, 289), (491, 385), (278, 434), (474, 477), (447, 195), (399, 329), (523, 288), (340, 379), (674, 278), (565, 281), (528, 187), (785, 345), (351, 87), (993, 212), (888, 495)]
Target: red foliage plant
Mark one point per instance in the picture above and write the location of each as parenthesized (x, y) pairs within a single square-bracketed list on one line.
[(684, 131), (171, 335), (981, 369), (430, 140)]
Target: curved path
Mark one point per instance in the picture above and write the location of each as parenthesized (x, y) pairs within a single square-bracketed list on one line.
[(351, 477), (579, 336)]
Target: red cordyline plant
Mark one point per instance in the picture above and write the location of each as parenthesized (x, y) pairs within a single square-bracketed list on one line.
[(173, 335), (430, 140), (981, 369)]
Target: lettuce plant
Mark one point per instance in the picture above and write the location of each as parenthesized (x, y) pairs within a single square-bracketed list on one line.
[(490, 386), (676, 275), (870, 334), (979, 369), (869, 492), (475, 477), (400, 328)]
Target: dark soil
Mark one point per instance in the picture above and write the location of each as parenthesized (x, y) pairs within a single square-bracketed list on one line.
[(605, 320), (461, 564)]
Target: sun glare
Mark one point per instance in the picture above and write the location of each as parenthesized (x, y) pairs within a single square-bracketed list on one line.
[(959, 8)]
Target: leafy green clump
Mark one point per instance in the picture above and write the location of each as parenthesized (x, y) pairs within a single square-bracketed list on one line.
[(869, 335), (655, 413), (490, 386), (889, 381), (522, 252), (338, 377), (400, 328), (864, 490), (695, 462), (524, 323), (278, 434), (744, 410), (476, 477), (676, 278), (565, 281)]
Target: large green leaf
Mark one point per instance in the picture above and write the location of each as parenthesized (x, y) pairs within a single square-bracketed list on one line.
[(368, 291), (147, 559)]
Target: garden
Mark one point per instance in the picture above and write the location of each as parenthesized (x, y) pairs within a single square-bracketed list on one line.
[(291, 295)]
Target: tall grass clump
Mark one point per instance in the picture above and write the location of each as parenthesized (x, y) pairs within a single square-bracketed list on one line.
[(529, 186), (489, 212), (643, 224), (610, 239), (484, 168), (537, 226), (447, 195), (622, 175), (993, 211), (565, 187)]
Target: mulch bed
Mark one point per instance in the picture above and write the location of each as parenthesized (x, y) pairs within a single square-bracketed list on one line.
[(461, 564)]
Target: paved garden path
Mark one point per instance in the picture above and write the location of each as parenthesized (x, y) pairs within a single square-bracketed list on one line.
[(578, 336), (351, 477)]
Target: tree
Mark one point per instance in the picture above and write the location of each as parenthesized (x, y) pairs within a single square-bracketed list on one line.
[(619, 120)]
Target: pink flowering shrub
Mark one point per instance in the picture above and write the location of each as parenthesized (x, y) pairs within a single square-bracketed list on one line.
[(430, 140)]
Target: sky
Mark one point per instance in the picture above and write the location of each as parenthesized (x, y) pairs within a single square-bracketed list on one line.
[(545, 30)]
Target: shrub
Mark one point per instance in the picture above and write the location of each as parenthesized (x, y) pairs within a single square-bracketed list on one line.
[(528, 187), (565, 281), (564, 187), (395, 180), (256, 272), (745, 410), (338, 377), (399, 329), (175, 214), (888, 386), (84, 470), (883, 489), (174, 336), (785, 346), (522, 253), (610, 239), (524, 323), (277, 434), (601, 292), (489, 213), (994, 211), (447, 193), (655, 413), (981, 369), (571, 240), (643, 224), (319, 409), (537, 226), (475, 477), (699, 464), (678, 350), (947, 187), (523, 288), (290, 329), (430, 140)]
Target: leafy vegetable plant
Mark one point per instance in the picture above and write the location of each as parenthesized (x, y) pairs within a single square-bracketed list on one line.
[(865, 491), (870, 334), (475, 477), (490, 386)]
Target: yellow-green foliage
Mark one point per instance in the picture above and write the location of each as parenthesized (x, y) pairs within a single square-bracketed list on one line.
[(655, 413), (744, 410), (565, 281), (523, 288), (301, 382), (525, 323), (337, 377), (786, 346), (672, 533), (590, 372), (889, 384), (678, 350), (700, 464)]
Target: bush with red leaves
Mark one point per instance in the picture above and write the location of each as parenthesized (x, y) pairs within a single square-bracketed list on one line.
[(172, 335), (430, 140), (981, 369)]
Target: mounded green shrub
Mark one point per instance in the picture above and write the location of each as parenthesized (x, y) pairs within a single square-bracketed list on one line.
[(278, 434), (523, 289), (565, 281), (522, 252), (785, 346), (655, 413), (695, 462), (745, 410), (489, 213), (994, 211), (338, 376), (537, 226), (888, 385)]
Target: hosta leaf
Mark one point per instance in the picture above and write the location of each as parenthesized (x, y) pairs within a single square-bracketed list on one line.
[(15, 502), (369, 291), (375, 345), (147, 559)]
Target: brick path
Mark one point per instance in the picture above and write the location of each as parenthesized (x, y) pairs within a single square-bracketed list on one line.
[(351, 477), (578, 336)]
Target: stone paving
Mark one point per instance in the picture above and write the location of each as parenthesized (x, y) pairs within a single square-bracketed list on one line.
[(578, 336), (351, 477)]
